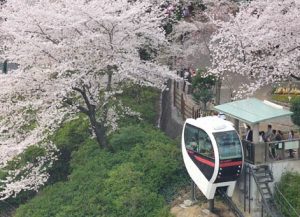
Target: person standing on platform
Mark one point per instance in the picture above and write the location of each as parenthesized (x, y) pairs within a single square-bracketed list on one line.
[(249, 134), (269, 136)]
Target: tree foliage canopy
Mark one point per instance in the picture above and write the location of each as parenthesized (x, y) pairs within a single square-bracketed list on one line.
[(295, 108), (66, 51), (261, 43)]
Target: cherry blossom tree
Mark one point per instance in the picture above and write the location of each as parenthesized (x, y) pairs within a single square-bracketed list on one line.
[(74, 53), (191, 34), (261, 43)]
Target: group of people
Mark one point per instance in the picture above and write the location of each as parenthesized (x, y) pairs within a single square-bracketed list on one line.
[(187, 74), (271, 135)]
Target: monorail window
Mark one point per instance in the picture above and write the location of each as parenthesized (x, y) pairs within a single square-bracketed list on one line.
[(198, 141), (229, 145)]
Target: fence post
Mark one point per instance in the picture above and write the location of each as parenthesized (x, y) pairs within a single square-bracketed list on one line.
[(218, 91), (299, 149), (182, 106), (193, 113), (174, 92)]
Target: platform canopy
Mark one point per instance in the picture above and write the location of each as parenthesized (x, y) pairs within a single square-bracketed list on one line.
[(252, 110)]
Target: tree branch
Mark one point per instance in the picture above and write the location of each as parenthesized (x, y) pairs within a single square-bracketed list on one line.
[(90, 107), (79, 107), (296, 77), (46, 52), (293, 49)]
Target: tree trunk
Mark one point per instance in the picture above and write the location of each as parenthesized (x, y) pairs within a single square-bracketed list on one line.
[(205, 108), (99, 130), (218, 91), (4, 67), (90, 110), (295, 77)]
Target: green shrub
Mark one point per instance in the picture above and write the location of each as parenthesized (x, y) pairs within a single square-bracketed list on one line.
[(284, 98), (68, 139), (289, 187), (128, 137), (128, 182), (72, 134), (203, 88), (140, 99), (136, 179), (295, 108)]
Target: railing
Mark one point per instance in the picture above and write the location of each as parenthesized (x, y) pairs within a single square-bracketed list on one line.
[(271, 151), (183, 102), (249, 151)]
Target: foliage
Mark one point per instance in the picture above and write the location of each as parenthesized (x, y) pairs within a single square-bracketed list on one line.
[(203, 87), (295, 108), (124, 183), (284, 98), (68, 139), (127, 137), (30, 155), (260, 43), (64, 47), (143, 172), (190, 35), (289, 187), (25, 167), (142, 100)]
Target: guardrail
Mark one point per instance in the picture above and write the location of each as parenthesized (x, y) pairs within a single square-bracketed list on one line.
[(258, 153), (183, 102)]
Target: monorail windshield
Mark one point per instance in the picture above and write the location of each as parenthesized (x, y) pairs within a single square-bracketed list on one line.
[(229, 145), (197, 140)]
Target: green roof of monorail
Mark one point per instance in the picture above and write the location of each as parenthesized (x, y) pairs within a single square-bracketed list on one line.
[(252, 110)]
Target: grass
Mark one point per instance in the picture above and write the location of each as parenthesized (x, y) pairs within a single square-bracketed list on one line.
[(284, 98)]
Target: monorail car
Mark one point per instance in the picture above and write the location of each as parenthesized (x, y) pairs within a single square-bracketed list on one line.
[(212, 153)]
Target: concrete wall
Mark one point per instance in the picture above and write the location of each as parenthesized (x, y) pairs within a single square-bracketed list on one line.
[(171, 119), (278, 168)]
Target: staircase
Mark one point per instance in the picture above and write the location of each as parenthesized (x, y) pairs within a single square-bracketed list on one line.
[(263, 176)]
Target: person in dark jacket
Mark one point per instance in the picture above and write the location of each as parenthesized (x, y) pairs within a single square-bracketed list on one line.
[(249, 134)]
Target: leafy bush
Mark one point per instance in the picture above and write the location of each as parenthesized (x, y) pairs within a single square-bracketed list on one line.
[(203, 88), (127, 137), (289, 187), (136, 179), (68, 139), (295, 108), (127, 182), (284, 98), (72, 134), (140, 99)]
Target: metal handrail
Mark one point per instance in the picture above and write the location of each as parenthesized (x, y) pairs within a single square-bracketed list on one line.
[(251, 155), (268, 204)]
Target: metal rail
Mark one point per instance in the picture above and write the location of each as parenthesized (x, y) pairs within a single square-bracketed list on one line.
[(230, 203), (262, 176)]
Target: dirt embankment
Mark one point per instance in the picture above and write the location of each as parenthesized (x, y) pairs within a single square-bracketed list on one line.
[(182, 208)]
